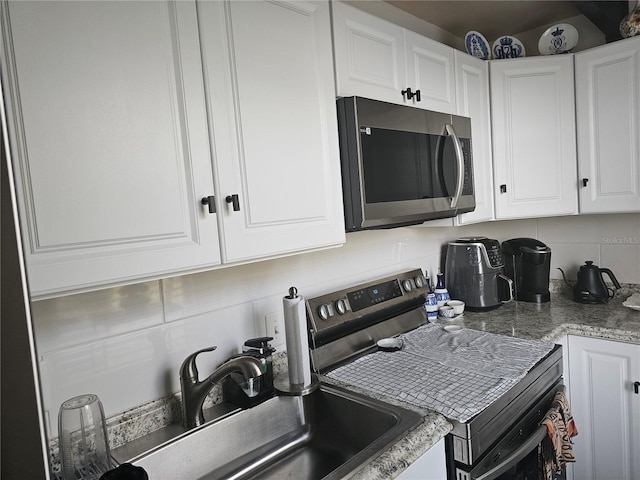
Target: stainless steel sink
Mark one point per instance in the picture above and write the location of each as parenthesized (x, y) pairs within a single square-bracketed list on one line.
[(325, 435)]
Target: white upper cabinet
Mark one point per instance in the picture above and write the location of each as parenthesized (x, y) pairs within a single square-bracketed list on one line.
[(369, 55), (269, 80), (472, 89), (118, 133), (377, 59), (430, 68), (108, 134), (534, 140), (608, 126)]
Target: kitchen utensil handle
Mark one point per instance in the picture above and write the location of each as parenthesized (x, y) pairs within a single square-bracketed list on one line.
[(460, 157), (235, 200)]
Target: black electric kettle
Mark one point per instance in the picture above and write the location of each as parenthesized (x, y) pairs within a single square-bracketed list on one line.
[(590, 287)]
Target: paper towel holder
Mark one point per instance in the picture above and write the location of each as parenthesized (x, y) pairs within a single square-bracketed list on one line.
[(283, 383), (287, 389)]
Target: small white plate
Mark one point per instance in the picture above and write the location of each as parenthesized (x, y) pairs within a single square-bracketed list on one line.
[(455, 317), (477, 45), (390, 344), (560, 38), (453, 328), (507, 47)]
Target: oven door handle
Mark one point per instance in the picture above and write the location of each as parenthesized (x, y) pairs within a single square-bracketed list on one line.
[(518, 454), (460, 158)]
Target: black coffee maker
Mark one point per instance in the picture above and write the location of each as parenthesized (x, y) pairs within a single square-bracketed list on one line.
[(527, 263)]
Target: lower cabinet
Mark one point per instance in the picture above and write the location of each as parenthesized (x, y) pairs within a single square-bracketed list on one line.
[(430, 466), (606, 407)]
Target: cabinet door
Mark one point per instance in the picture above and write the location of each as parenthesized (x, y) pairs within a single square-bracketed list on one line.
[(432, 465), (534, 141), (608, 125), (272, 101), (109, 136), (369, 55), (472, 87), (431, 71), (605, 408)]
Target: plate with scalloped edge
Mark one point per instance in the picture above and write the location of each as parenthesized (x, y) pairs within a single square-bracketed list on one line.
[(507, 46), (560, 38), (477, 45), (633, 302)]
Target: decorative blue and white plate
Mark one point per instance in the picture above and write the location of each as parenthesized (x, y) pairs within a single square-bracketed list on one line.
[(507, 47), (477, 45), (560, 38)]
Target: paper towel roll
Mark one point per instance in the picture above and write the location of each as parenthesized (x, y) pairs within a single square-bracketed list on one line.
[(295, 324)]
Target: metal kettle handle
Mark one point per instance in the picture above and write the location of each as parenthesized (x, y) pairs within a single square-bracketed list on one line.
[(613, 279), (460, 157)]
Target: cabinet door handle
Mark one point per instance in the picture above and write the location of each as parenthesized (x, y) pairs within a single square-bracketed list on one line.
[(210, 201), (503, 188), (636, 387), (235, 200), (409, 94), (585, 181)]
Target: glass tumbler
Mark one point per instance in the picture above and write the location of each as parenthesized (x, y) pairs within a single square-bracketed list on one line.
[(84, 445)]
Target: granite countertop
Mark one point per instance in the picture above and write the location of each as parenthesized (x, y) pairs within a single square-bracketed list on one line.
[(549, 321)]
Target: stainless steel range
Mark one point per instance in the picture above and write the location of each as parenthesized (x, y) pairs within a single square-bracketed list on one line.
[(494, 389)]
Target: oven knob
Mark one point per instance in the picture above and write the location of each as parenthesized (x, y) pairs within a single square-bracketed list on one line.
[(323, 311), (420, 281), (341, 306), (407, 285)]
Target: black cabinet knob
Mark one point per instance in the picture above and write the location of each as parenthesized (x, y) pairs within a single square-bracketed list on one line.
[(409, 94), (503, 188), (235, 200), (636, 387), (210, 201), (585, 181)]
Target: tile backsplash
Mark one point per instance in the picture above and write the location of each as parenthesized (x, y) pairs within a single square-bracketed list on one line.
[(126, 344)]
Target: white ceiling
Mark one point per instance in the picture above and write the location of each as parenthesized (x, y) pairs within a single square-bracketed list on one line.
[(491, 18)]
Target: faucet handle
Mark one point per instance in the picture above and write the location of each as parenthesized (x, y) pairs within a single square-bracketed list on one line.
[(189, 370)]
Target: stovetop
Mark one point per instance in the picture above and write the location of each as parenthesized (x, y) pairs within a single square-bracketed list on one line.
[(456, 374)]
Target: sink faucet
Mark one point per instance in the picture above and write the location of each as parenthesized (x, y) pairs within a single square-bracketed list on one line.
[(194, 392)]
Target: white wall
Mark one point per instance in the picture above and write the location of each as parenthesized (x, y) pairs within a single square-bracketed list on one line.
[(126, 344)]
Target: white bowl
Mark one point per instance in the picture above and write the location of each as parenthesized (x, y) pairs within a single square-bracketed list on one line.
[(457, 305), (390, 344)]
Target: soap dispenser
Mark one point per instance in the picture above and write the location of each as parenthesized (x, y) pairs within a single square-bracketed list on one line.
[(247, 393)]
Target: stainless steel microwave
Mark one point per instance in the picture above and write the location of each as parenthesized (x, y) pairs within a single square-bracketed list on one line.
[(402, 165)]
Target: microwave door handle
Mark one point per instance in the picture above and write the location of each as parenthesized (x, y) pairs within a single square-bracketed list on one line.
[(518, 454), (460, 158)]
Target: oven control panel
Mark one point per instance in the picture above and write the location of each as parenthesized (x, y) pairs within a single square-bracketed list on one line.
[(339, 308)]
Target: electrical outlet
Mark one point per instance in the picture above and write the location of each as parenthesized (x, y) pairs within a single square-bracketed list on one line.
[(274, 325)]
